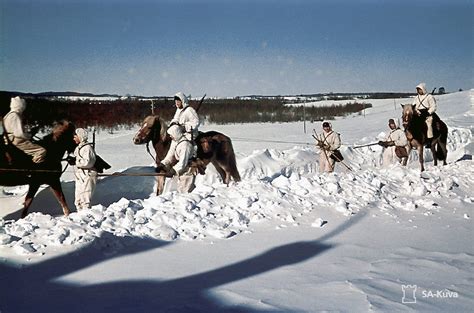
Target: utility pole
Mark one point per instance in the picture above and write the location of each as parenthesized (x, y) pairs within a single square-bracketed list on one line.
[(304, 117)]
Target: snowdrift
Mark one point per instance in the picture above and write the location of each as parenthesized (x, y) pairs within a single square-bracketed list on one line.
[(285, 239)]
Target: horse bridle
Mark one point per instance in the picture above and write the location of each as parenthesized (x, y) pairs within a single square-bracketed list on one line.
[(405, 119), (148, 143)]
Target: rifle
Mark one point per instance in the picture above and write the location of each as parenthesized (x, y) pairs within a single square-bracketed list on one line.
[(100, 164), (321, 143), (367, 145), (200, 102), (93, 139)]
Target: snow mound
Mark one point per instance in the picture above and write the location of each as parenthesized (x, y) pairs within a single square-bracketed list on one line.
[(277, 190), (282, 186)]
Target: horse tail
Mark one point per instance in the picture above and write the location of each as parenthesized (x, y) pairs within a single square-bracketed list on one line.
[(441, 149), (444, 133), (234, 172)]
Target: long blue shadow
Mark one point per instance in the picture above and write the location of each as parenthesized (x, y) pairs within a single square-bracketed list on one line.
[(34, 289)]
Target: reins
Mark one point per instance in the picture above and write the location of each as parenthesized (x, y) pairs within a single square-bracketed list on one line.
[(148, 144), (149, 152)]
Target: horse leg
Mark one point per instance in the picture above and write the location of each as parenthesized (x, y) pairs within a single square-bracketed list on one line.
[(420, 156), (160, 185), (32, 189), (442, 145), (224, 175), (433, 152), (404, 161), (58, 193)]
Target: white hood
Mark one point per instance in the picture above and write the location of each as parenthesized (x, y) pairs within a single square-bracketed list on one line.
[(18, 104), (82, 134), (422, 86), (395, 120), (183, 98)]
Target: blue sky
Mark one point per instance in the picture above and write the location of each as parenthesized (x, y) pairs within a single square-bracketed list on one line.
[(229, 48)]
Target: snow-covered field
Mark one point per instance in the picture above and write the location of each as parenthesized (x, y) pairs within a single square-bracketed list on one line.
[(285, 239)]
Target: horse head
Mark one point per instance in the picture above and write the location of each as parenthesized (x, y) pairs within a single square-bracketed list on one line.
[(407, 114), (63, 133), (205, 143), (60, 140), (153, 129)]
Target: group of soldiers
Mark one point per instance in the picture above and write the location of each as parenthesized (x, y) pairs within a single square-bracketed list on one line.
[(84, 155), (183, 130), (395, 145)]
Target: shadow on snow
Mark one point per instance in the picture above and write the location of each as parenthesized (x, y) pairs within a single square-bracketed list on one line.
[(108, 190), (36, 287)]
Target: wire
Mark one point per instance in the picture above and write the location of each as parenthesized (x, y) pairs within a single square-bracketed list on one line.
[(274, 141)]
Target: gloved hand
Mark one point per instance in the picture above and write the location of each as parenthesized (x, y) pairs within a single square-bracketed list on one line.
[(161, 168), (389, 143), (71, 160), (383, 143)]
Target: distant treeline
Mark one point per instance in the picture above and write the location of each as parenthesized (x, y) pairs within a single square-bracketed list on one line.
[(110, 114), (271, 110)]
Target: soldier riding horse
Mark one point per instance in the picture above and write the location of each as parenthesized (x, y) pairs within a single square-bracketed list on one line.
[(17, 168), (416, 132), (212, 147)]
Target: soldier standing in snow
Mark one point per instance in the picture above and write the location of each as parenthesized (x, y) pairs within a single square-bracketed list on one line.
[(182, 155), (425, 106), (84, 171), (395, 145), (328, 141), (13, 125)]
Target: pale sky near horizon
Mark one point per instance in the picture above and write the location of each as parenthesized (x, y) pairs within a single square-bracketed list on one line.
[(239, 47)]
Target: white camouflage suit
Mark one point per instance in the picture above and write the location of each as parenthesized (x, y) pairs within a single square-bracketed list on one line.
[(84, 172), (331, 141), (182, 154), (400, 140), (13, 125), (187, 118), (425, 102)]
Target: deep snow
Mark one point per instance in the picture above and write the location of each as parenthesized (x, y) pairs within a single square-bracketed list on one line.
[(286, 238)]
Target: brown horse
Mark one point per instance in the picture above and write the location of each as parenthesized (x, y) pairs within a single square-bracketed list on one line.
[(212, 147), (416, 128), (16, 167)]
